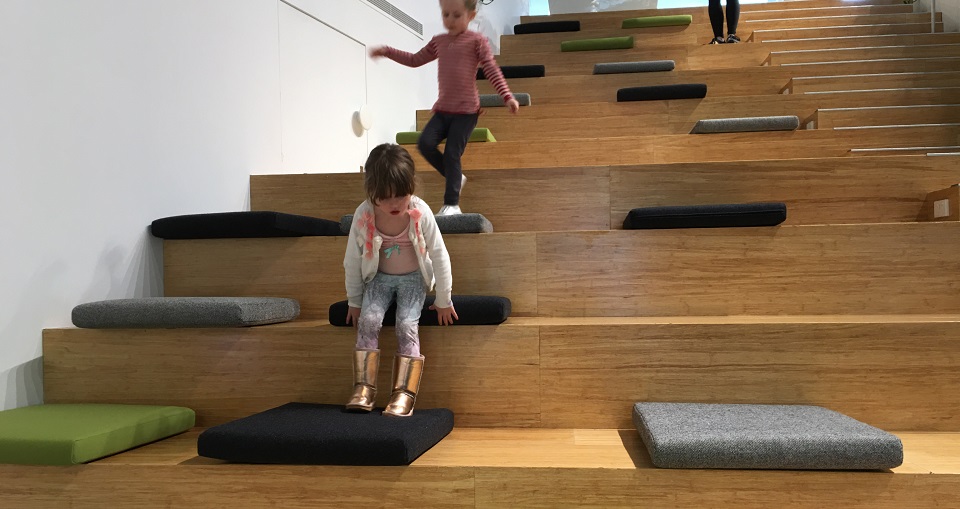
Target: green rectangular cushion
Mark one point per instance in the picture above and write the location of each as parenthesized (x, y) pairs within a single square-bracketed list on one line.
[(411, 137), (625, 42), (68, 434), (657, 21)]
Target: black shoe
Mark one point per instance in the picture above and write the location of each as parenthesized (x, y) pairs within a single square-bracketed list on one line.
[(718, 40), (732, 39)]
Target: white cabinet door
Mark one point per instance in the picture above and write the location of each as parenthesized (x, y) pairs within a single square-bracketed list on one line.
[(322, 84)]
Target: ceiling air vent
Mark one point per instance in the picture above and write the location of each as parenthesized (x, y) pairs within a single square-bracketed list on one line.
[(398, 15)]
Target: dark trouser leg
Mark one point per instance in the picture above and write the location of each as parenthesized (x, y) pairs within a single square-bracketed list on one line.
[(461, 126), (733, 15), (433, 133), (716, 17)]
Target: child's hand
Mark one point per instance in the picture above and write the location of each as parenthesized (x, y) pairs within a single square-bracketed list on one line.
[(513, 105), (378, 51), (446, 315), (353, 315)]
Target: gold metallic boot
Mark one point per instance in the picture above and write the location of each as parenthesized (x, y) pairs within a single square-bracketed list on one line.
[(406, 383), (365, 365)]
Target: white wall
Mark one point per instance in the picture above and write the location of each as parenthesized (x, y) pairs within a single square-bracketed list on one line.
[(116, 112)]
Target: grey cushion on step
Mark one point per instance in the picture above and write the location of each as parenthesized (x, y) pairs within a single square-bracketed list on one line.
[(494, 100), (628, 67), (746, 124), (457, 223), (700, 435), (186, 312)]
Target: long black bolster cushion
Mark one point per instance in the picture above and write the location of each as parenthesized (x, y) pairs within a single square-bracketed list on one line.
[(518, 71), (315, 434), (663, 92), (252, 224), (471, 310), (547, 27), (706, 216)]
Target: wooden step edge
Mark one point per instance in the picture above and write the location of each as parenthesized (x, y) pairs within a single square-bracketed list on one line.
[(869, 60), (862, 48), (847, 37), (897, 126), (895, 107), (924, 452), (873, 75), (920, 150), (859, 16), (945, 89)]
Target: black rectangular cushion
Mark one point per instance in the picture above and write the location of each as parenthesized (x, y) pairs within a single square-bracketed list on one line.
[(314, 434), (253, 224), (706, 216), (471, 310), (663, 92), (546, 27), (518, 71)]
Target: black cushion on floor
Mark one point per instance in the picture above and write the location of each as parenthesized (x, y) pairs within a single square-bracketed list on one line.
[(546, 27), (471, 310), (253, 224), (706, 216), (518, 71), (663, 92), (313, 434)]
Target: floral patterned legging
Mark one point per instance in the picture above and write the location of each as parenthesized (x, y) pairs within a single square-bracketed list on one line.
[(409, 292)]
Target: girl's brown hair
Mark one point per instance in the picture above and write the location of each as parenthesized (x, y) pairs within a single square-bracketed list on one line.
[(389, 172), (471, 5)]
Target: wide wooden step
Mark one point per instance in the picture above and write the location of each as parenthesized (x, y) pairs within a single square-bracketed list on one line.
[(816, 191), (893, 80), (846, 269), (487, 468), (720, 82), (873, 53), (681, 148), (893, 371), (789, 22), (860, 41), (918, 27), (828, 118)]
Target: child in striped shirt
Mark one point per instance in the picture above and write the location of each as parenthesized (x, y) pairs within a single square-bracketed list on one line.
[(459, 53)]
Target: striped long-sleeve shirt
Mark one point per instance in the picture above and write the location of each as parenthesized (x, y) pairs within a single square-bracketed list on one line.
[(459, 56)]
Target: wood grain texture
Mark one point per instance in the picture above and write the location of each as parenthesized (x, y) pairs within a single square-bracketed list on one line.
[(225, 374), (876, 53), (918, 27), (578, 198), (861, 41), (861, 370), (788, 22), (951, 195), (698, 148), (805, 84), (310, 269), (841, 269)]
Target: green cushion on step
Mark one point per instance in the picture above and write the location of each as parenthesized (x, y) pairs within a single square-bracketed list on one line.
[(657, 21), (411, 137), (68, 434), (625, 42)]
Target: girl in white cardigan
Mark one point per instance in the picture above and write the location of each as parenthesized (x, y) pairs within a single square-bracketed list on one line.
[(394, 253)]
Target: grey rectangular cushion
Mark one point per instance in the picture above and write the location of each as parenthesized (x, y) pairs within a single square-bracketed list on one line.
[(184, 312), (494, 100), (457, 223), (701, 435), (746, 124), (628, 67)]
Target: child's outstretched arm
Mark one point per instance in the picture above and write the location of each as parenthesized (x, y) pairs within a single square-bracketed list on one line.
[(427, 54), (493, 74)]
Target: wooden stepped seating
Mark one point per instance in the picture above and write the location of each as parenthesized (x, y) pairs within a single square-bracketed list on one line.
[(686, 57), (642, 118), (607, 363), (828, 118), (920, 27), (909, 80), (612, 19), (487, 468), (690, 148), (698, 32), (720, 82), (816, 191), (556, 274), (900, 151), (748, 25), (875, 53), (860, 41)]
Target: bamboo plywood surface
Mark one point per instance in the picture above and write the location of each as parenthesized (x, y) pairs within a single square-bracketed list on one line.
[(788, 21), (310, 269), (225, 374), (931, 114), (860, 41), (913, 80), (883, 52), (918, 27)]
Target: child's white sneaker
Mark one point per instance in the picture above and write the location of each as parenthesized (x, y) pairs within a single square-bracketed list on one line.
[(449, 210)]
